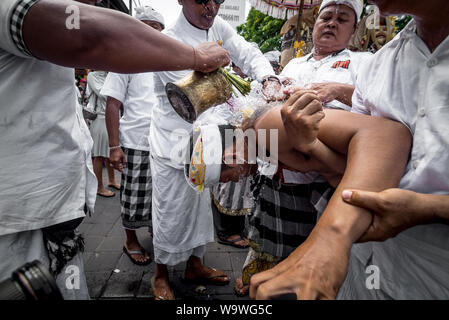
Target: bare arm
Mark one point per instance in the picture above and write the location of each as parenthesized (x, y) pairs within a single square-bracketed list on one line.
[(110, 40), (376, 162), (116, 155), (297, 143), (334, 91)]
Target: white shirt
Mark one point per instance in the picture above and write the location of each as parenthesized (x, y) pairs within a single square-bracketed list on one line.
[(406, 82), (164, 118), (341, 67), (45, 145), (136, 93)]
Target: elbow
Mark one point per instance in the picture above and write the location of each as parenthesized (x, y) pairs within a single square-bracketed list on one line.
[(402, 135)]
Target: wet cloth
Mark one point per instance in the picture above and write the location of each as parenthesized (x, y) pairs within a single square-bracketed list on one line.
[(47, 169), (411, 87), (136, 190)]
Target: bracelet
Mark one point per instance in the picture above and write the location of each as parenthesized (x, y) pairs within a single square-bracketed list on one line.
[(269, 78), (114, 147)]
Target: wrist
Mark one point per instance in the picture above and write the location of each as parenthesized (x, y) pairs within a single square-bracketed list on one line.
[(333, 236), (309, 148), (114, 147)]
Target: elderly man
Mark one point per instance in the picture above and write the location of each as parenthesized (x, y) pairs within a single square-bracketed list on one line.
[(130, 146), (41, 207), (403, 82), (182, 220)]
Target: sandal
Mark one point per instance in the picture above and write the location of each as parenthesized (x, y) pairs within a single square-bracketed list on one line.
[(217, 278), (134, 252), (157, 297), (106, 195), (114, 186), (233, 243)]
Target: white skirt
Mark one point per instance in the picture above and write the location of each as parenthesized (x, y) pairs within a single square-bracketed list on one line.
[(182, 218)]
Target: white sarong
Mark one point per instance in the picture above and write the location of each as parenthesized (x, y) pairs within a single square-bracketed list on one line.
[(182, 218)]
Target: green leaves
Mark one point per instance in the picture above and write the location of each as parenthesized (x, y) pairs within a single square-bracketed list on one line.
[(263, 30)]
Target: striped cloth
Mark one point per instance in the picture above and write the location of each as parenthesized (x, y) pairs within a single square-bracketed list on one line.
[(285, 215), (136, 189)]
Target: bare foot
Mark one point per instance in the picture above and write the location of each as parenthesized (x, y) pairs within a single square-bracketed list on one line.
[(141, 257), (198, 272), (162, 289)]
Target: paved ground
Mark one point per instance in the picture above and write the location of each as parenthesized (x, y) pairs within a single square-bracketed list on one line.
[(111, 275)]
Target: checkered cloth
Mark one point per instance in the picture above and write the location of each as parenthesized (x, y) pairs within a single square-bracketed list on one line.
[(285, 215), (16, 24), (135, 190)]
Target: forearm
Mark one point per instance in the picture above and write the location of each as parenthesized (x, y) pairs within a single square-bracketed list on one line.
[(106, 40), (436, 207), (375, 162), (344, 93), (112, 121), (319, 158)]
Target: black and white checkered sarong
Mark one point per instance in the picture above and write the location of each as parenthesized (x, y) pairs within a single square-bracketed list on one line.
[(135, 190)]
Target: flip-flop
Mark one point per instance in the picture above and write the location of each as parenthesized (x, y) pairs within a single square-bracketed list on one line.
[(159, 297), (136, 262), (211, 280), (105, 196), (232, 243), (114, 187)]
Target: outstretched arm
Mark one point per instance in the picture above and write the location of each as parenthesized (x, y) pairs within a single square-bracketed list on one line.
[(375, 162), (110, 40)]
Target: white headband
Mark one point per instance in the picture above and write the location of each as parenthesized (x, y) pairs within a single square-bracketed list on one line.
[(356, 5)]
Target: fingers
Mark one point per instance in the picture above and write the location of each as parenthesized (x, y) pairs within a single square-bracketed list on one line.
[(117, 159), (209, 56), (276, 287), (365, 199), (258, 279)]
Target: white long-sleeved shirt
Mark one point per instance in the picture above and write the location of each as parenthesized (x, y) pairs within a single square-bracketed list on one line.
[(406, 82), (164, 118)]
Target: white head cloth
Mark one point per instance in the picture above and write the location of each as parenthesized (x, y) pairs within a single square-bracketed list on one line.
[(212, 154), (147, 13), (356, 5)]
